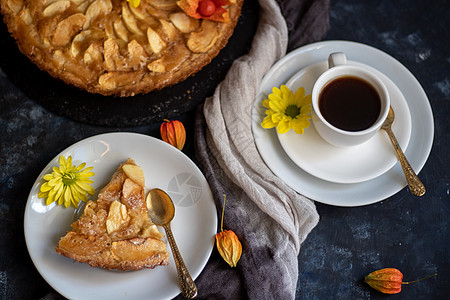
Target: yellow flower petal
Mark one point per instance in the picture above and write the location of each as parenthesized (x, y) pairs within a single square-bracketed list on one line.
[(67, 196), (276, 118), (300, 125), (42, 194), (54, 181), (285, 118), (300, 93), (285, 90), (59, 193), (62, 165), (56, 171), (83, 186), (267, 123), (290, 99), (283, 127), (45, 187), (81, 167), (48, 177), (276, 91), (49, 201), (305, 110), (274, 99)]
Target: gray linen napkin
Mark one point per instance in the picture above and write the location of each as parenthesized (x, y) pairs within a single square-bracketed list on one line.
[(269, 217)]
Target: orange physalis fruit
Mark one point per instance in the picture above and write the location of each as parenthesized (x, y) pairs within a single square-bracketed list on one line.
[(214, 10), (228, 244), (229, 247), (173, 132), (388, 280)]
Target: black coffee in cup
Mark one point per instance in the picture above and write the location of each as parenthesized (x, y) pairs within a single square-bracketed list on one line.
[(350, 103)]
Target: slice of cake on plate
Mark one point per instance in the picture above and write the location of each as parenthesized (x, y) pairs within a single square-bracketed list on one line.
[(115, 231)]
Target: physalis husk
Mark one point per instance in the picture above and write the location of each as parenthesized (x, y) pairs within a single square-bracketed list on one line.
[(228, 244)]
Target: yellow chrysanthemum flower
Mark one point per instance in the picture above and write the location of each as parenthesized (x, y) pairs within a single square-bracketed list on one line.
[(286, 110), (67, 184), (134, 3)]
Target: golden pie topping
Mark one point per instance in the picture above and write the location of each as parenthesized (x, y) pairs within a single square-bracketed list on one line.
[(115, 231), (112, 48)]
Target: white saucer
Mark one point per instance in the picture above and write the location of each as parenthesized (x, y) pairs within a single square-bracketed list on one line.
[(350, 164), (352, 194)]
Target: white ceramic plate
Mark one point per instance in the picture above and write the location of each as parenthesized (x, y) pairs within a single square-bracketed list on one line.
[(345, 164), (164, 166), (354, 194)]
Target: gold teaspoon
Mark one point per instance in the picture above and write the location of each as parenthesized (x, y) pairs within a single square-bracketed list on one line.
[(162, 211), (415, 185)]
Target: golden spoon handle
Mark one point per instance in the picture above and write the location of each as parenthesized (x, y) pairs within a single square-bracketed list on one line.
[(415, 185), (188, 287)]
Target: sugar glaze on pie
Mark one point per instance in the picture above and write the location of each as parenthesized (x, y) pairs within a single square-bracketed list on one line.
[(111, 48), (115, 231)]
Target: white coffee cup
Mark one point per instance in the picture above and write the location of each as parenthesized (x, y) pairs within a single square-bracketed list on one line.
[(338, 68)]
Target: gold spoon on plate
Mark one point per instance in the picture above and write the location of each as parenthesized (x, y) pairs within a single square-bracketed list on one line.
[(162, 211), (415, 185)]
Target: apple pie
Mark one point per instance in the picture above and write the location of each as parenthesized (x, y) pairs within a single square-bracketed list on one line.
[(111, 47), (115, 231)]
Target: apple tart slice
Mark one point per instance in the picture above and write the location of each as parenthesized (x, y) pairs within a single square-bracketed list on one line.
[(116, 232)]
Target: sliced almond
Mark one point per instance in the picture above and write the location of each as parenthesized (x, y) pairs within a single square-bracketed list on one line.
[(169, 29), (93, 54), (138, 12), (56, 8), (117, 216), (201, 41), (77, 42), (129, 20), (183, 22), (120, 29), (67, 29), (155, 41), (135, 173), (136, 55), (97, 8)]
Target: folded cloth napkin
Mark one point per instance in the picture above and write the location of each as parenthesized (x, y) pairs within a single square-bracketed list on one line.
[(270, 219)]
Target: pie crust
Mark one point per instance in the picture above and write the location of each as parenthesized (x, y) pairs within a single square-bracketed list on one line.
[(111, 48)]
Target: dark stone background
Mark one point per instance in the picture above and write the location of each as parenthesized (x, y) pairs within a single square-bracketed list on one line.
[(404, 231)]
